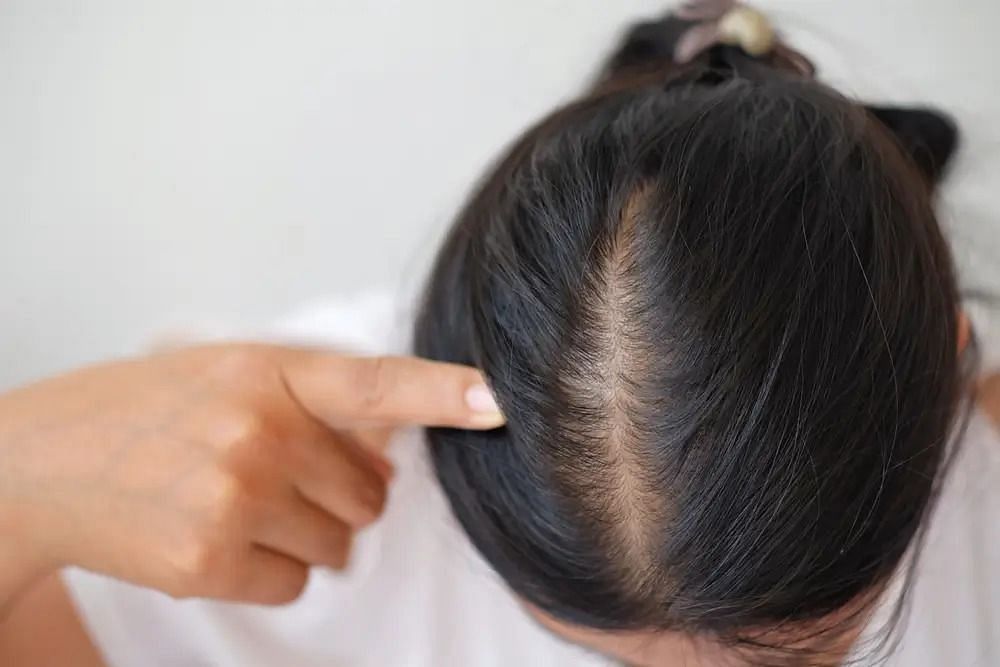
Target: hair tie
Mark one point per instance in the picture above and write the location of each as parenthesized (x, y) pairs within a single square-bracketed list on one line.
[(732, 23), (722, 22)]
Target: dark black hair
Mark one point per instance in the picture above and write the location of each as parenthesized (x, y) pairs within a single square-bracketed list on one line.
[(720, 316)]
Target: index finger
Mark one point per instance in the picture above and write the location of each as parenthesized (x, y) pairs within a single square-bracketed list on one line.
[(339, 389)]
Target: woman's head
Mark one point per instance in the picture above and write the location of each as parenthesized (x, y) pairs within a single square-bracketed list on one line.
[(721, 319)]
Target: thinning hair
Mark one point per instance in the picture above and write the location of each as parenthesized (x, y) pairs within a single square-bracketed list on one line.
[(721, 319)]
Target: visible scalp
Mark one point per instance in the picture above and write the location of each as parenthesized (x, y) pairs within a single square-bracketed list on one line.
[(693, 303)]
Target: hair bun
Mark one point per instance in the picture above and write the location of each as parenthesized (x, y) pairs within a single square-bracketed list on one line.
[(747, 28)]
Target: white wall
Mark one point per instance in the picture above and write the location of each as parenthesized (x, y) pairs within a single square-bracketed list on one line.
[(176, 163)]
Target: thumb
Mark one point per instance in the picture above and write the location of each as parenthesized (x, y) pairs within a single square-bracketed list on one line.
[(342, 390)]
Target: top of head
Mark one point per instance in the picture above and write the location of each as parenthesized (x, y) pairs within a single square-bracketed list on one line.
[(720, 318)]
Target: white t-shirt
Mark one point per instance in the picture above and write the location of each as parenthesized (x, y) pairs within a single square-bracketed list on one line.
[(417, 593)]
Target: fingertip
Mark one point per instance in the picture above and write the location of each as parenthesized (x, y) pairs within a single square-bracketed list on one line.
[(485, 410), (480, 400), (487, 422)]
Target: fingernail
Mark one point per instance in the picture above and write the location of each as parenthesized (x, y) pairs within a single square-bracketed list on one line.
[(484, 406), (488, 420)]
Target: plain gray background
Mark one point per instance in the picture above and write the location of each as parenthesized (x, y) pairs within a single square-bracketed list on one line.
[(207, 166)]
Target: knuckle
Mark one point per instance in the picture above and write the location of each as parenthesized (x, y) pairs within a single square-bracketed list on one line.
[(371, 500), (292, 589), (242, 430), (338, 549), (336, 539), (373, 383), (195, 560), (379, 499), (284, 588), (249, 453), (229, 501), (284, 596)]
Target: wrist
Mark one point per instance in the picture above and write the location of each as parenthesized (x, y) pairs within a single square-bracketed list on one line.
[(22, 563), (24, 521), (22, 560)]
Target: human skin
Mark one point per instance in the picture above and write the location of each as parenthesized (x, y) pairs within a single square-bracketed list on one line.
[(220, 471), (46, 611)]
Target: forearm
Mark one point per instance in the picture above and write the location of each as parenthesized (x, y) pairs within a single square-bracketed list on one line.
[(21, 563), (18, 572), (42, 628)]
